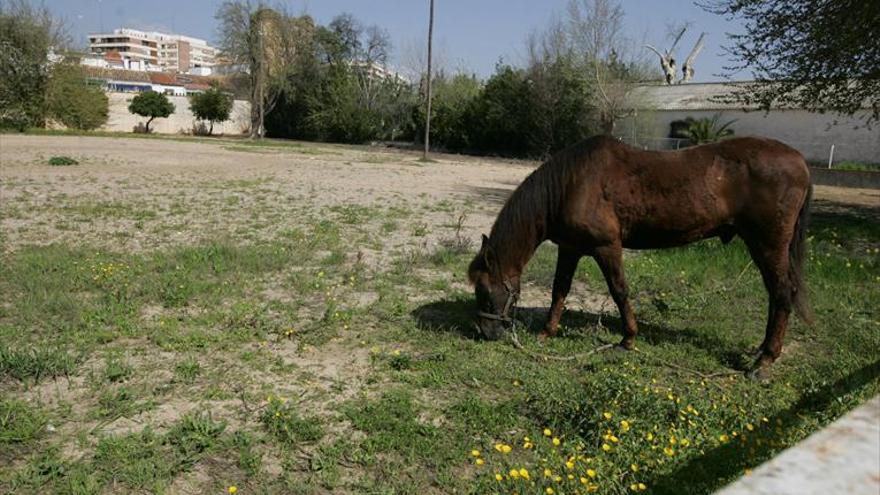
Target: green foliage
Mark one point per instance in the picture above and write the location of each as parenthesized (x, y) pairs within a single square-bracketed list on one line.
[(213, 105), (72, 101), (62, 161), (26, 34), (451, 108), (806, 54), (707, 129), (151, 104)]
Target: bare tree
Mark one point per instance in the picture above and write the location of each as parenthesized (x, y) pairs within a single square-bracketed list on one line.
[(667, 60), (688, 67), (595, 30), (263, 41)]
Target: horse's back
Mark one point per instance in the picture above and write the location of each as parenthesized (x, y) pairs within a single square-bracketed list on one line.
[(664, 198)]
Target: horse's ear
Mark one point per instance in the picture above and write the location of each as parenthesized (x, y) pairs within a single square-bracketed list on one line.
[(488, 255), (485, 242)]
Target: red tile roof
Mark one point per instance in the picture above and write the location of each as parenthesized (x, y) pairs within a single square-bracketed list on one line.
[(164, 79)]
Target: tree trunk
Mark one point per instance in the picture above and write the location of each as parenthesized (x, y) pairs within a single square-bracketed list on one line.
[(148, 124), (211, 128), (428, 110)]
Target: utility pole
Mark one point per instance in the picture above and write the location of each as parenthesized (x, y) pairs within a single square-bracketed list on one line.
[(428, 112)]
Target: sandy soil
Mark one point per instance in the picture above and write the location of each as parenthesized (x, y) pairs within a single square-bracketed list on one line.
[(151, 193), (206, 191)]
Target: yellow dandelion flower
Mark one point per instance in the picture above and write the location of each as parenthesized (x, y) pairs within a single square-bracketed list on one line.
[(606, 447), (527, 439), (634, 487), (498, 446), (649, 436), (524, 473), (584, 481), (571, 476), (556, 441), (547, 432), (613, 439), (642, 487), (624, 425), (669, 451), (606, 415), (723, 438), (547, 472), (750, 427), (232, 489), (569, 464), (475, 453), (514, 473), (505, 449), (634, 467), (498, 477), (549, 491), (685, 442), (591, 473), (592, 488), (528, 445)]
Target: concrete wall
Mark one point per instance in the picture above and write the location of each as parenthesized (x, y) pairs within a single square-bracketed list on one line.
[(181, 121), (810, 133)]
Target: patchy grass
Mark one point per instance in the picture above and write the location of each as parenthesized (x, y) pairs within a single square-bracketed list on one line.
[(315, 362)]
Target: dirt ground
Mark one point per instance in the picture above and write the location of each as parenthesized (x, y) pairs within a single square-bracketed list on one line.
[(386, 208), (246, 192)]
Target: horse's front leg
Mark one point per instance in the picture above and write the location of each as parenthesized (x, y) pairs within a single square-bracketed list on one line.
[(610, 261), (566, 264)]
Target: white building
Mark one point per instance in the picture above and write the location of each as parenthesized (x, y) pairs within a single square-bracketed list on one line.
[(141, 50), (812, 134)]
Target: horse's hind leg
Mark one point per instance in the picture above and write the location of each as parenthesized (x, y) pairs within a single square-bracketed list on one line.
[(610, 260), (773, 263), (566, 264)]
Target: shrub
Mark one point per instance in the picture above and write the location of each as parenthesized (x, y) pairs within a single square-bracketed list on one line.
[(61, 161), (72, 101), (151, 104), (707, 129)]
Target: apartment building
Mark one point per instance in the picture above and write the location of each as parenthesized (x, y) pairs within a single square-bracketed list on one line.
[(154, 50)]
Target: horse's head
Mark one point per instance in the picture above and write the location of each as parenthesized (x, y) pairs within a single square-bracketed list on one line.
[(496, 294)]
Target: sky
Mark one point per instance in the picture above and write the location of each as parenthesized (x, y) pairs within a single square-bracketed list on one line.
[(469, 35)]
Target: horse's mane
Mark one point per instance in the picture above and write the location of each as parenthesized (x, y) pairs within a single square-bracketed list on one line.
[(521, 224)]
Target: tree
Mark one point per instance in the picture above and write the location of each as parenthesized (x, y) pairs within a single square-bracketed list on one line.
[(72, 101), (151, 104), (27, 34), (212, 105), (595, 31), (265, 41), (811, 54)]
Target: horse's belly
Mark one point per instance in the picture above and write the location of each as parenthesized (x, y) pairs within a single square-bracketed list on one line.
[(657, 238)]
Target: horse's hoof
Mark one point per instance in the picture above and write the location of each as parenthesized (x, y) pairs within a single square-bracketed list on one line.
[(620, 348), (759, 374), (760, 371), (543, 336)]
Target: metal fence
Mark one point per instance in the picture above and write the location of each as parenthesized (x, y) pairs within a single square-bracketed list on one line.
[(818, 153)]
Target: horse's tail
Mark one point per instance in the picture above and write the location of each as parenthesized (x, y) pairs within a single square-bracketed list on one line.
[(796, 252)]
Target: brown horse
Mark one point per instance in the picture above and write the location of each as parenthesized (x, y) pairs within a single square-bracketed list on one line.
[(601, 196)]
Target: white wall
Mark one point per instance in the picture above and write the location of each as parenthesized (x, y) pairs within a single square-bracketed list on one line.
[(181, 121), (810, 133)]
